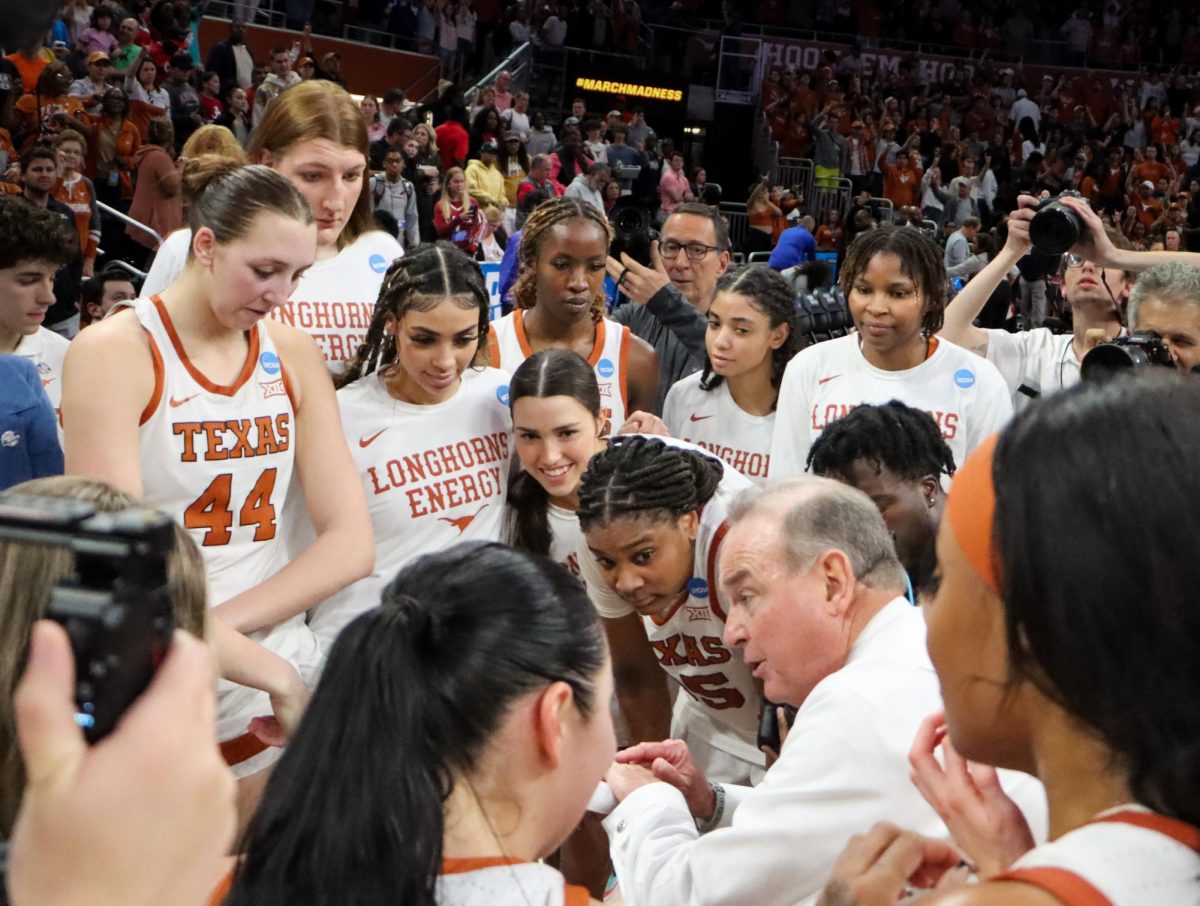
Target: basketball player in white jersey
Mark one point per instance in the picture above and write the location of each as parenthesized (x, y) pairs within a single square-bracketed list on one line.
[(729, 406), (208, 409), (429, 431), (652, 513), (560, 303), (33, 245), (896, 286), (557, 429), (315, 135)]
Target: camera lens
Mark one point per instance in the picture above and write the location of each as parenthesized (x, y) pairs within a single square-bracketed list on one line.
[(1054, 229)]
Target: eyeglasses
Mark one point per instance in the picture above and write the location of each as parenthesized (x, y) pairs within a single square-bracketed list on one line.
[(1070, 259), (696, 251)]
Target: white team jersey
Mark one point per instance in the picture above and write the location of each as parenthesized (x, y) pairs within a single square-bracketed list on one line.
[(334, 301), (46, 350), (1036, 359), (711, 419), (963, 393), (489, 882), (565, 537), (433, 475), (508, 347), (218, 459), (1129, 857), (722, 703)]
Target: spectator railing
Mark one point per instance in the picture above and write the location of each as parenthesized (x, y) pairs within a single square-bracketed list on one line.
[(794, 173), (107, 211), (225, 9), (519, 64), (735, 215), (119, 264), (379, 38), (887, 210), (739, 70)]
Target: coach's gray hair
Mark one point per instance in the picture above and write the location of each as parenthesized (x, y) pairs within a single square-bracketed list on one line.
[(1173, 282), (825, 515)]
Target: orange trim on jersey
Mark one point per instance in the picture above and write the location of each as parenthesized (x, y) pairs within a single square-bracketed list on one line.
[(197, 375), (1179, 831), (519, 327), (493, 347), (523, 338), (475, 863), (575, 896), (242, 748), (932, 347), (160, 380), (1065, 885), (714, 600), (626, 333), (221, 891), (666, 617)]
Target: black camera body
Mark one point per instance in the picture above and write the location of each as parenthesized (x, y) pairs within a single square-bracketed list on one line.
[(768, 725), (115, 607), (1055, 227), (1138, 350), (633, 230)]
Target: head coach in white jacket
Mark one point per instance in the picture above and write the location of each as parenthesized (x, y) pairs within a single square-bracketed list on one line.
[(817, 606)]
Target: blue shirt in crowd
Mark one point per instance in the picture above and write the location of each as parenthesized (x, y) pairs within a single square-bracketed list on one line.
[(29, 445), (796, 245)]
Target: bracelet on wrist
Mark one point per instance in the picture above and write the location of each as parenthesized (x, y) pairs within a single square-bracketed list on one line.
[(705, 825)]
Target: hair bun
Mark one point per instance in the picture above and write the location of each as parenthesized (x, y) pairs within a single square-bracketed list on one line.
[(200, 172)]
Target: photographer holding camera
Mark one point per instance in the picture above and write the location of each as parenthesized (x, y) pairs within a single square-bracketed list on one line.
[(1166, 301), (1097, 273), (671, 295)]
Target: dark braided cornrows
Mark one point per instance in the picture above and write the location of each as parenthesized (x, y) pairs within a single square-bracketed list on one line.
[(419, 281), (773, 296), (640, 475), (920, 260), (900, 438), (543, 218)]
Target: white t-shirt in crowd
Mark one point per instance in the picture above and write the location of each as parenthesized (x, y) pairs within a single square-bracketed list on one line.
[(1038, 360), (965, 394), (334, 301), (433, 476), (46, 350), (711, 419)]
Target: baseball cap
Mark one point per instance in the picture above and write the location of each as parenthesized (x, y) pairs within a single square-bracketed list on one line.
[(1022, 93), (1148, 185), (512, 136), (332, 55), (183, 60), (489, 146), (97, 56)]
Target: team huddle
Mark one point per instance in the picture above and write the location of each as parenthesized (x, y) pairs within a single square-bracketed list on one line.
[(451, 563)]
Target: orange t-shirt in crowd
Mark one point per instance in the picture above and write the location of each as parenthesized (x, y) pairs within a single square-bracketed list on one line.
[(901, 187), (31, 69), (1152, 171), (39, 120), (78, 196)]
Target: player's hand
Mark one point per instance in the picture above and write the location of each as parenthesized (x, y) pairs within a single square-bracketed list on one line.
[(637, 281), (980, 816), (671, 762), (645, 423), (880, 867), (142, 818)]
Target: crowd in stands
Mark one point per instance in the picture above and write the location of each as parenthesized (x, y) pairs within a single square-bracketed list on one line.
[(625, 579)]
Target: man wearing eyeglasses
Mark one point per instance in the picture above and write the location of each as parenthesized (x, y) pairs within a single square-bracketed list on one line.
[(1097, 274), (667, 302)]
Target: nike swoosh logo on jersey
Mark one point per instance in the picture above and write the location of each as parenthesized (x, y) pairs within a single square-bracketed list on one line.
[(826, 380), (365, 442), (699, 418), (175, 404)]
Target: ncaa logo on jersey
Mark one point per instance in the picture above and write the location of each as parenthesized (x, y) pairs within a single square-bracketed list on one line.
[(605, 368), (502, 394), (269, 362), (964, 378), (378, 263), (697, 588), (44, 369)]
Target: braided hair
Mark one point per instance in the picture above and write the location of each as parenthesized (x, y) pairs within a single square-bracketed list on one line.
[(643, 475), (920, 260), (905, 441), (770, 294), (537, 225), (419, 281)]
